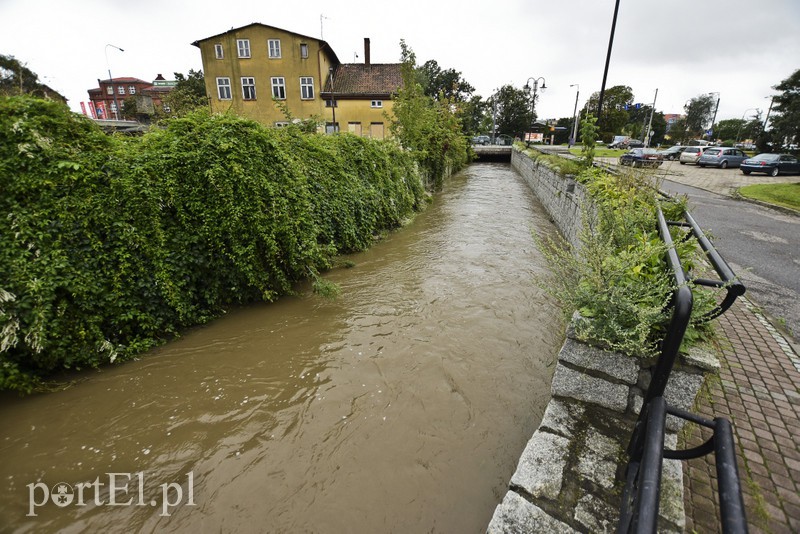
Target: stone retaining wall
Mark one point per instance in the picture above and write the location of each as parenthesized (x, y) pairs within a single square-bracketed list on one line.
[(571, 474)]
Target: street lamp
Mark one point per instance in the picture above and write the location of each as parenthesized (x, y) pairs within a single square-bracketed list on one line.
[(333, 102), (715, 115), (758, 111), (535, 87), (575, 114), (111, 80)]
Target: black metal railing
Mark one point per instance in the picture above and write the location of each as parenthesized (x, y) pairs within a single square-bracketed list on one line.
[(640, 499)]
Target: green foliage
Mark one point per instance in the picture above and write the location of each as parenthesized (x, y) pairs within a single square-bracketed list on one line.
[(786, 110), (512, 110), (589, 136), (617, 277), (613, 116), (111, 245), (429, 129), (188, 95), (699, 113)]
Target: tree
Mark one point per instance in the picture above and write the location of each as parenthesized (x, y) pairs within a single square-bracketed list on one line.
[(727, 129), (678, 131), (472, 116), (699, 113), (16, 79), (614, 115), (511, 109), (448, 84), (189, 94), (786, 109), (638, 121)]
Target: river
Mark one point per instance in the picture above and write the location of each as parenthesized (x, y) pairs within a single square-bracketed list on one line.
[(401, 406)]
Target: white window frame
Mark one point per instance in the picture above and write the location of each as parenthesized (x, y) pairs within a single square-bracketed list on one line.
[(131, 89), (219, 53), (243, 47), (274, 46), (306, 88), (303, 51), (248, 82), (281, 124), (278, 87), (166, 108), (224, 83), (376, 104), (120, 89), (110, 90)]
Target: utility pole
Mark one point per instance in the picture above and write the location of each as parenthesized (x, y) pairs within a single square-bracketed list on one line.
[(575, 114), (650, 124), (608, 60), (111, 80)]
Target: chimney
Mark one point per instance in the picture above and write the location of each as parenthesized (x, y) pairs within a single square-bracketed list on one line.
[(366, 50)]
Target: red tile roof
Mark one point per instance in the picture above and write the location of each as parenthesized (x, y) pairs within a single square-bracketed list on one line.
[(358, 79)]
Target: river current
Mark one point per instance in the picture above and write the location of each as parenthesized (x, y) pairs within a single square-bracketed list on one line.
[(401, 406)]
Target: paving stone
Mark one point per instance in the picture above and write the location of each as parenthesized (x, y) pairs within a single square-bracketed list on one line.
[(560, 417), (613, 364), (579, 386), (598, 459), (596, 515)]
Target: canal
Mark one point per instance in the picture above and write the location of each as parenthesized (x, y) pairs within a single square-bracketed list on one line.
[(401, 406)]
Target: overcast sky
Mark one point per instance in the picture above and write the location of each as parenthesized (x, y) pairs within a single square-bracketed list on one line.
[(738, 48)]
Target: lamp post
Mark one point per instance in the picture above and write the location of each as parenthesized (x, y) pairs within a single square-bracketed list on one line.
[(111, 80), (535, 87), (575, 114), (758, 111), (715, 115)]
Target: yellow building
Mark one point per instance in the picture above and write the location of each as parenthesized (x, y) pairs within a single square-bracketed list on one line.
[(257, 69)]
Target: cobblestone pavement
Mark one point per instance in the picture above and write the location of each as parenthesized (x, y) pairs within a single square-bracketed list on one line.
[(758, 391)]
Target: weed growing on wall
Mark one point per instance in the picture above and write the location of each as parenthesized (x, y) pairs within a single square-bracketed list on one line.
[(110, 245), (617, 277)]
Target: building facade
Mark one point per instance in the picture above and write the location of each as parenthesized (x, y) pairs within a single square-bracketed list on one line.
[(274, 76), (113, 92)]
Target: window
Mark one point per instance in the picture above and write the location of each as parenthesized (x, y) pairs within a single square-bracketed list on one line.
[(307, 88), (131, 89), (331, 104), (113, 107), (279, 88), (120, 90), (244, 47), (110, 90), (166, 108), (377, 104), (354, 128), (224, 88), (303, 50), (274, 48), (248, 88), (218, 51), (282, 124)]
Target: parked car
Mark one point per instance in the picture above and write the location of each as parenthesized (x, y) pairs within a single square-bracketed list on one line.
[(481, 140), (641, 157), (721, 157), (691, 154), (672, 153), (772, 164)]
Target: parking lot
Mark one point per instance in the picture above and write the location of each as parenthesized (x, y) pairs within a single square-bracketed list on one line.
[(721, 181)]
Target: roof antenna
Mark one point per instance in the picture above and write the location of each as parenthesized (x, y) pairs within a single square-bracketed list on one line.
[(321, 16)]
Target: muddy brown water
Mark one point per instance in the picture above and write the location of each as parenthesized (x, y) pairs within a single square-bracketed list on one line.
[(402, 406)]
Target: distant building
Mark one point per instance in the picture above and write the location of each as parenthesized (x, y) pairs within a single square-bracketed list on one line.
[(148, 96), (670, 119), (264, 73)]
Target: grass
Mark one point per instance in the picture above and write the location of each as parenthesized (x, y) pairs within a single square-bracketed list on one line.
[(599, 152), (786, 195)]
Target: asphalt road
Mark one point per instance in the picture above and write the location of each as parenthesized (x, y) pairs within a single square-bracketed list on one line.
[(760, 243)]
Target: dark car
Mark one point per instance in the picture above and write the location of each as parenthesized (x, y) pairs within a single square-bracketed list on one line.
[(672, 153), (772, 164), (481, 140), (641, 157), (721, 157)]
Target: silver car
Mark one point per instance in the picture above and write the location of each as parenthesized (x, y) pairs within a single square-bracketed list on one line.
[(721, 157), (691, 154)]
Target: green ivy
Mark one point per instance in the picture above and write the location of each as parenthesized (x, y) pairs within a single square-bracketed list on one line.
[(110, 245)]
